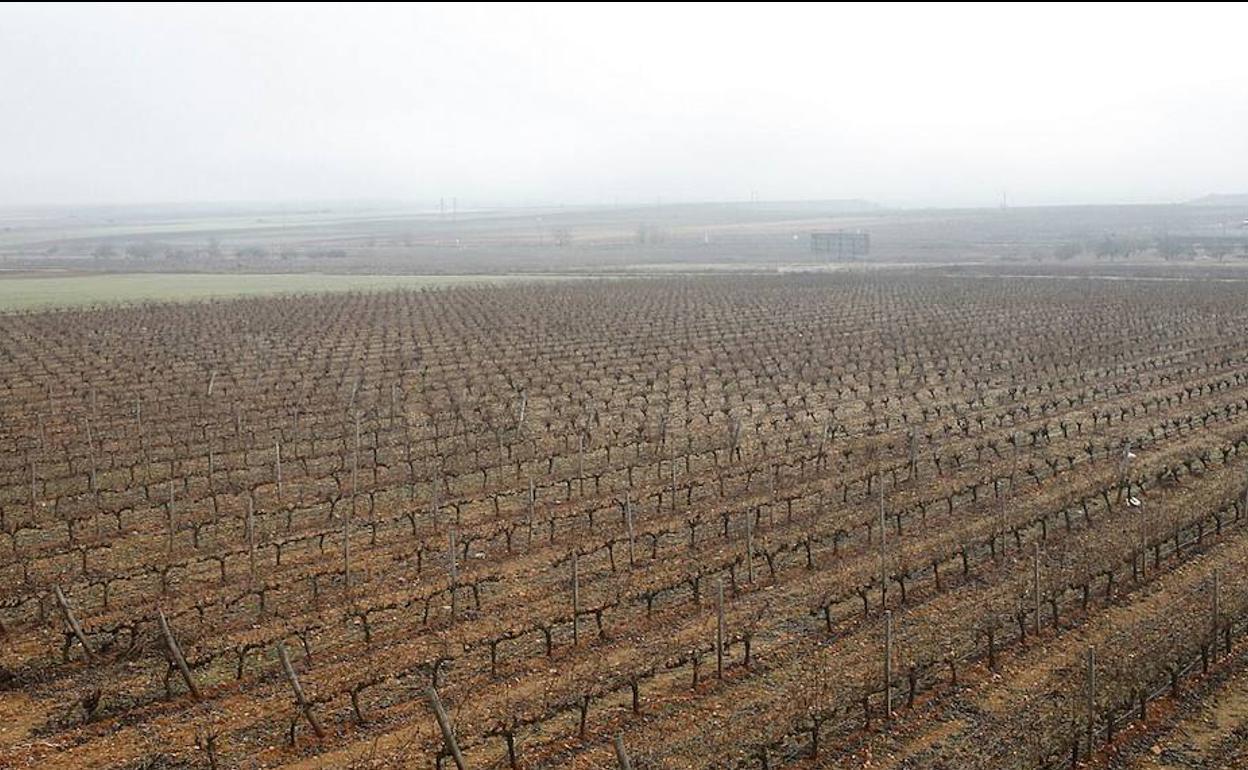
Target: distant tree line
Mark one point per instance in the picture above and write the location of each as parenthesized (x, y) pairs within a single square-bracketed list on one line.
[(648, 233), (151, 251), (1168, 247)]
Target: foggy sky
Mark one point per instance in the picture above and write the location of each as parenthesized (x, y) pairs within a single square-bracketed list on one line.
[(904, 105)]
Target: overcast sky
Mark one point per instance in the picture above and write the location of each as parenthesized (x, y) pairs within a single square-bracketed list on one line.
[(594, 104)]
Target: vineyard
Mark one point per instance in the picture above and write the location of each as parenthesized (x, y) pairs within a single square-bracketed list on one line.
[(875, 518)]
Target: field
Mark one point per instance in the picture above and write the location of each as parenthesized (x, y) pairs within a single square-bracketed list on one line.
[(41, 290), (924, 518)]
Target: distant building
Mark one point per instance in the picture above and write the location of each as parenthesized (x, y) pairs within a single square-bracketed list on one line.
[(841, 244)]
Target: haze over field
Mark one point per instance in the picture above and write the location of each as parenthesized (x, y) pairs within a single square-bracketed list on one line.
[(654, 387), (540, 105)]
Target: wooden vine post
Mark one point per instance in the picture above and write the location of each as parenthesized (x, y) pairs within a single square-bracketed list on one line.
[(1216, 610), (883, 551), (628, 523), (671, 451), (621, 755), (304, 705), (1091, 698), (532, 510), (719, 631), (580, 464), (576, 600), (1035, 585), (454, 576), (172, 522), (888, 665), (444, 724), (175, 651), (251, 538), (71, 620), (749, 547)]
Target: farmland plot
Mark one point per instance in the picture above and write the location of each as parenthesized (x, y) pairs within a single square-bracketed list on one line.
[(750, 522)]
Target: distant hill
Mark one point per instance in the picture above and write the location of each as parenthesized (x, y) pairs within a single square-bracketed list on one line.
[(1232, 199)]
